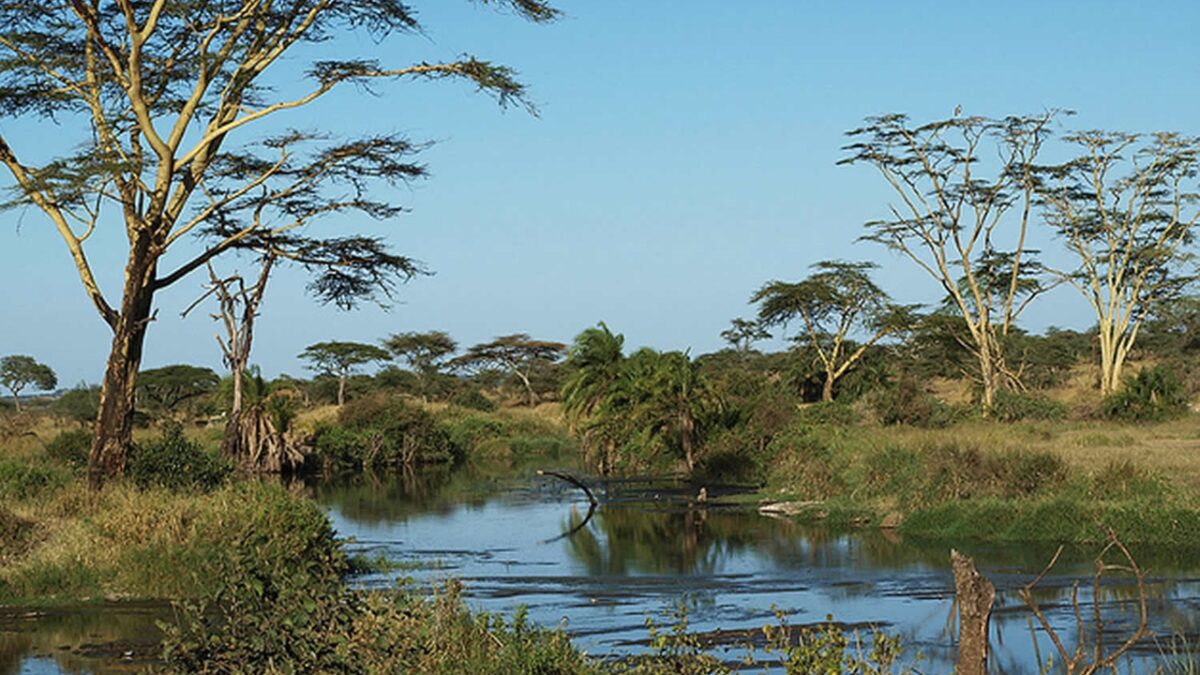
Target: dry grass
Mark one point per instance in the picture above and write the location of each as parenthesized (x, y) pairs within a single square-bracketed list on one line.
[(1171, 449)]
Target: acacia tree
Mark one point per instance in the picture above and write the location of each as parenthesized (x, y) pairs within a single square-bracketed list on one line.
[(426, 354), (169, 387), (1127, 209), (160, 92), (519, 354), (742, 334), (966, 189), (836, 302), (17, 372), (341, 359)]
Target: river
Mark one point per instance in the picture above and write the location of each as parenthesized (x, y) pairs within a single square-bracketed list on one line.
[(514, 539)]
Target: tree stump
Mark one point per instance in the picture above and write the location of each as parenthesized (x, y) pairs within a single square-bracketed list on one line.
[(975, 596)]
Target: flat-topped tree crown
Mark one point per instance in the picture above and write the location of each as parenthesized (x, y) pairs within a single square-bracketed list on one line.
[(164, 101), (518, 354), (341, 359)]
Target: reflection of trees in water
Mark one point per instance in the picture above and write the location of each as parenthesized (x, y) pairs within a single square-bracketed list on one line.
[(107, 632)]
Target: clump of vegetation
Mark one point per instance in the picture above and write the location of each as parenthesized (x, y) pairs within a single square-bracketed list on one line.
[(306, 620), (22, 480), (70, 448), (905, 402), (473, 399), (378, 433), (1153, 394), (1016, 407), (175, 462)]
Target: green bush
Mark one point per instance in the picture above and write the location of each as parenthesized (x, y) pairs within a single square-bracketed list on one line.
[(378, 433), (907, 403), (71, 448), (1153, 394), (473, 399), (830, 413), (174, 462), (21, 480), (1014, 407)]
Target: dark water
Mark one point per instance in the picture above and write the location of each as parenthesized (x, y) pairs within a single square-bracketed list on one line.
[(649, 547)]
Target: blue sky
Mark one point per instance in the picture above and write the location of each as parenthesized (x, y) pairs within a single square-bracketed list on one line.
[(685, 153)]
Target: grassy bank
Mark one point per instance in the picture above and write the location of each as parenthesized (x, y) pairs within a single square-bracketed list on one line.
[(1035, 481)]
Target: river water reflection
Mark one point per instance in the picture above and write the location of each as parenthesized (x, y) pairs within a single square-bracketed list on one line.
[(649, 546)]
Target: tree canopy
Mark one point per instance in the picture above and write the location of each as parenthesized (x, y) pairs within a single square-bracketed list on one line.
[(17, 372), (340, 359), (518, 354)]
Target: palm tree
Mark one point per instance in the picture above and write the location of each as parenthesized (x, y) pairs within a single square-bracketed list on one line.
[(673, 399), (595, 362)]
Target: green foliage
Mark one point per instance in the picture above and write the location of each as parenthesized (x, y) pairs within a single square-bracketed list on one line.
[(71, 448), (473, 399), (1014, 407), (22, 480), (305, 620), (827, 648), (382, 433), (831, 413), (1153, 394), (18, 372), (906, 402), (13, 533), (80, 404), (174, 462), (165, 390)]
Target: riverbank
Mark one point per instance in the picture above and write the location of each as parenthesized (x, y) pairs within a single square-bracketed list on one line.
[(1062, 482)]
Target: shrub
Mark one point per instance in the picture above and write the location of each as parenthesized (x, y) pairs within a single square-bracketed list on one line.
[(377, 433), (1014, 407), (71, 448), (174, 462), (907, 403), (1153, 394), (829, 413), (21, 480), (473, 399)]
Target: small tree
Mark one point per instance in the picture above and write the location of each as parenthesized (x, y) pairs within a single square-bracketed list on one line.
[(340, 359), (425, 353), (18, 372), (836, 302), (742, 334), (1126, 207), (166, 388), (966, 187), (518, 354)]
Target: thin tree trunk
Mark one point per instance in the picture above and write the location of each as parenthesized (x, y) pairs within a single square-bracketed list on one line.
[(16, 400), (341, 389), (528, 388), (827, 388), (687, 428), (114, 421)]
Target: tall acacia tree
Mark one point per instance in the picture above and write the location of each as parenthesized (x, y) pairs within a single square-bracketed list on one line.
[(966, 189), (160, 91), (1127, 207), (836, 302)]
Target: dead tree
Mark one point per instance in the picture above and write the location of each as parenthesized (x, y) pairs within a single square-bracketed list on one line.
[(1086, 659)]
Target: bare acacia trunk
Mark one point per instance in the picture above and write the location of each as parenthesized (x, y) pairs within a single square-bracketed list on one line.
[(341, 389), (532, 396), (827, 388), (988, 375), (114, 421)]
